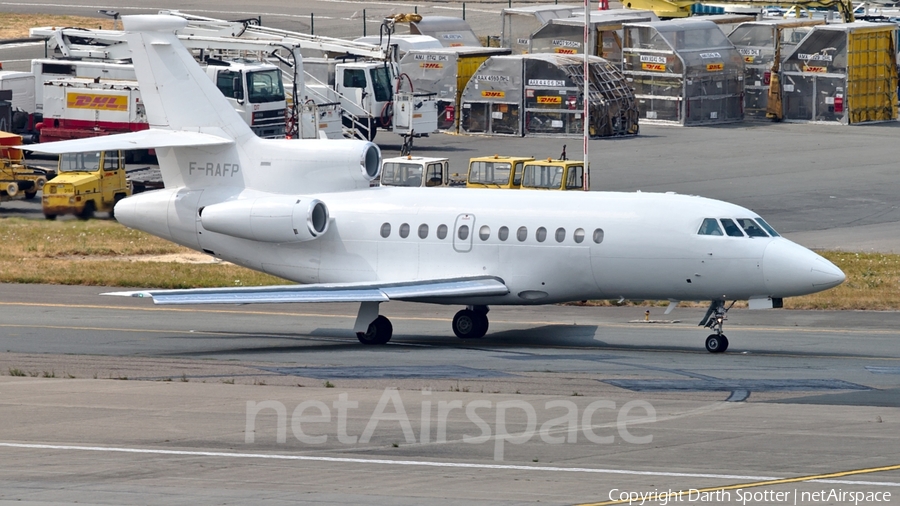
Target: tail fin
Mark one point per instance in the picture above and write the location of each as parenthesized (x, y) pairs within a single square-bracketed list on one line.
[(164, 68)]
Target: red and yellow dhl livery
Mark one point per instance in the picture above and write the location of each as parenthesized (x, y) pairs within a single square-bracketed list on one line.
[(76, 108)]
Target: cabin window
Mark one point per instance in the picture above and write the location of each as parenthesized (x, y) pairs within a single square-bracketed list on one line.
[(522, 234), (560, 235), (503, 233), (442, 232), (752, 228), (386, 230), (463, 232), (541, 234), (484, 233), (578, 235), (598, 235), (423, 231), (710, 226), (731, 229), (404, 230), (767, 227)]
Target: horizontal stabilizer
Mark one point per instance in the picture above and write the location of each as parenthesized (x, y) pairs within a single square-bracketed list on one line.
[(345, 292), (145, 139)]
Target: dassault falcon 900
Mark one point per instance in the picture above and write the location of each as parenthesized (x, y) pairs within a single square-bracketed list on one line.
[(304, 210)]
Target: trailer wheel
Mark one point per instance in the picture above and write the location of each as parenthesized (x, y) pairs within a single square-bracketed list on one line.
[(88, 211)]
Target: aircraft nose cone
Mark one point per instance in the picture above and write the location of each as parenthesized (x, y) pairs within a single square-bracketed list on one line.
[(791, 269)]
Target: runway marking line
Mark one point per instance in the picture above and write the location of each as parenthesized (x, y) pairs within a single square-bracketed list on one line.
[(816, 478), (463, 465)]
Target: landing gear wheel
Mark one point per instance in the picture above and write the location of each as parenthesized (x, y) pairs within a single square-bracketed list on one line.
[(379, 332), (716, 343), (30, 195), (468, 324)]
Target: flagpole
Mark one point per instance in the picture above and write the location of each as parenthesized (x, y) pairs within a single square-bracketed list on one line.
[(585, 115)]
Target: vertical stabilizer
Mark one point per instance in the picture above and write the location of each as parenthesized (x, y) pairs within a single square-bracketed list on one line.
[(176, 92)]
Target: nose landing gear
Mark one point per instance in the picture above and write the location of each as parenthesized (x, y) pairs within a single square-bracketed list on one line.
[(715, 320)]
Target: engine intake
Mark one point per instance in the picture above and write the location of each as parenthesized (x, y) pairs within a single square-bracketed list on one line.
[(278, 219)]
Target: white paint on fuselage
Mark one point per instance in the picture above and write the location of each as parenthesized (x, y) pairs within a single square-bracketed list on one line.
[(650, 246)]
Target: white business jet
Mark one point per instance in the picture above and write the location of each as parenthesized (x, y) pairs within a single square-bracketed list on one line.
[(303, 210)]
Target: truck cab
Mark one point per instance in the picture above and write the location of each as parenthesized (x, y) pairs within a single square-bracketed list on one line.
[(416, 171), (552, 174), (85, 183), (496, 171), (256, 90)]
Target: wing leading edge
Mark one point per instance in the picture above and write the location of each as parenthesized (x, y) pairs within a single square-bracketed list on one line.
[(480, 286), (145, 139)]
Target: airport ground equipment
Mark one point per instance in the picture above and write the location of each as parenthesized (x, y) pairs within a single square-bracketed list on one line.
[(418, 171), (364, 79), (18, 180), (844, 73), (496, 171), (682, 8), (566, 35), (86, 183), (445, 72), (553, 174), (684, 72), (519, 23), (762, 44), (541, 95)]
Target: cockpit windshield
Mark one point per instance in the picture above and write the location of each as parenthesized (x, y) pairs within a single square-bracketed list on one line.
[(753, 227)]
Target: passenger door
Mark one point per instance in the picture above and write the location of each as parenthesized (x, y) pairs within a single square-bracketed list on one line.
[(463, 230)]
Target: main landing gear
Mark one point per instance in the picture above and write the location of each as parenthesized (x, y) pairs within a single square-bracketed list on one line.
[(715, 319), (471, 323), (372, 328)]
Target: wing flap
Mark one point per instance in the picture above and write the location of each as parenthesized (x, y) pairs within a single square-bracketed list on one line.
[(145, 139), (351, 292)]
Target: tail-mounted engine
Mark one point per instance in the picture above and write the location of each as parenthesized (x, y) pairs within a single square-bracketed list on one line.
[(277, 219)]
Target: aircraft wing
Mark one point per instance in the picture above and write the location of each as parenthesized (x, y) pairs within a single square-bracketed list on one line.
[(145, 139), (339, 292)]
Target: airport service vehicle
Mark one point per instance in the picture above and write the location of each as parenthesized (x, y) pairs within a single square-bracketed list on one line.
[(553, 174), (86, 182), (496, 171), (418, 171), (91, 91), (303, 210), (17, 180), (364, 79)]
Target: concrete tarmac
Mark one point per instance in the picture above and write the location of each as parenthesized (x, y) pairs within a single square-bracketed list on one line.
[(110, 400)]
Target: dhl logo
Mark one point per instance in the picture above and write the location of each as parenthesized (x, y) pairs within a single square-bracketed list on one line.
[(98, 102), (493, 94), (564, 50), (431, 65), (749, 59), (715, 67), (815, 70), (549, 100), (653, 67)]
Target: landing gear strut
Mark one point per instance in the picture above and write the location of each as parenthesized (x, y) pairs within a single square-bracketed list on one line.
[(715, 320), (471, 323)]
